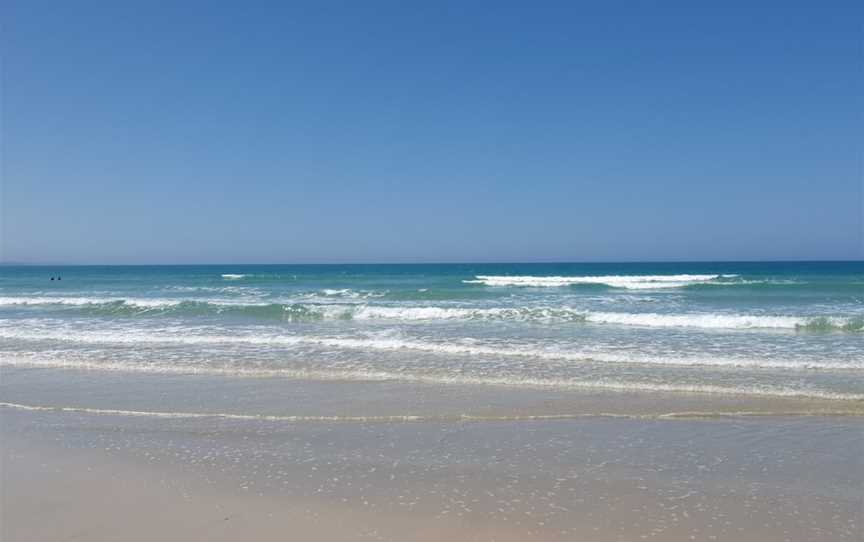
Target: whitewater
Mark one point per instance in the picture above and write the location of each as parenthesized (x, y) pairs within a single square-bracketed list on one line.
[(783, 329)]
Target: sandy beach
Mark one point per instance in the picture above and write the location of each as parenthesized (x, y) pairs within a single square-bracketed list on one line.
[(131, 475)]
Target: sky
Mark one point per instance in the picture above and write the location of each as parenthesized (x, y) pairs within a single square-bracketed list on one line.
[(392, 131)]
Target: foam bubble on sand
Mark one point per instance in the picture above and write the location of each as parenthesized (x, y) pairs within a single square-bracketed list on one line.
[(387, 418), (347, 374)]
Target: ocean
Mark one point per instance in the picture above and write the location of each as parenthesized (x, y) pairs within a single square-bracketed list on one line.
[(793, 330)]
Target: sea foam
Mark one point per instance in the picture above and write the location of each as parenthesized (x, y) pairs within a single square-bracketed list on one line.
[(327, 310), (630, 282), (389, 418), (397, 344)]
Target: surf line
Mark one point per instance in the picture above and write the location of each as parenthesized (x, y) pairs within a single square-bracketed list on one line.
[(401, 418)]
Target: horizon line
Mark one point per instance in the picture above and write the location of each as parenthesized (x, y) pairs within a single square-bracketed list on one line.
[(407, 263)]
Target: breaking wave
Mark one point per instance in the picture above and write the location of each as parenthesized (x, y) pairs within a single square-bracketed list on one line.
[(451, 348), (311, 312), (630, 282)]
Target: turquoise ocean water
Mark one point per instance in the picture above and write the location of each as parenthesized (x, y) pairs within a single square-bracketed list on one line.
[(748, 329)]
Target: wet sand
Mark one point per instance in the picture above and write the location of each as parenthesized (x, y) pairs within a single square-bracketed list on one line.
[(50, 494), (85, 476)]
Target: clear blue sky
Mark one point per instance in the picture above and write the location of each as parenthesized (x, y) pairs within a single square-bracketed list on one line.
[(184, 132)]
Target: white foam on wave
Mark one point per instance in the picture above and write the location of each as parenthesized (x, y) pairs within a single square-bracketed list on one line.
[(233, 276), (704, 321), (630, 282), (139, 302), (83, 301), (450, 348), (339, 292), (565, 314), (207, 290), (349, 293), (358, 311)]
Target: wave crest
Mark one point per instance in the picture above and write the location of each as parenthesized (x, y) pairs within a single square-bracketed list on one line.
[(384, 344), (630, 282), (310, 312)]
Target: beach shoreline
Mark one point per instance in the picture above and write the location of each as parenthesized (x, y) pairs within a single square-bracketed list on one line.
[(674, 402), (73, 475)]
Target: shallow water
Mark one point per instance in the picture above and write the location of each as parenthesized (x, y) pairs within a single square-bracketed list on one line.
[(747, 329)]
